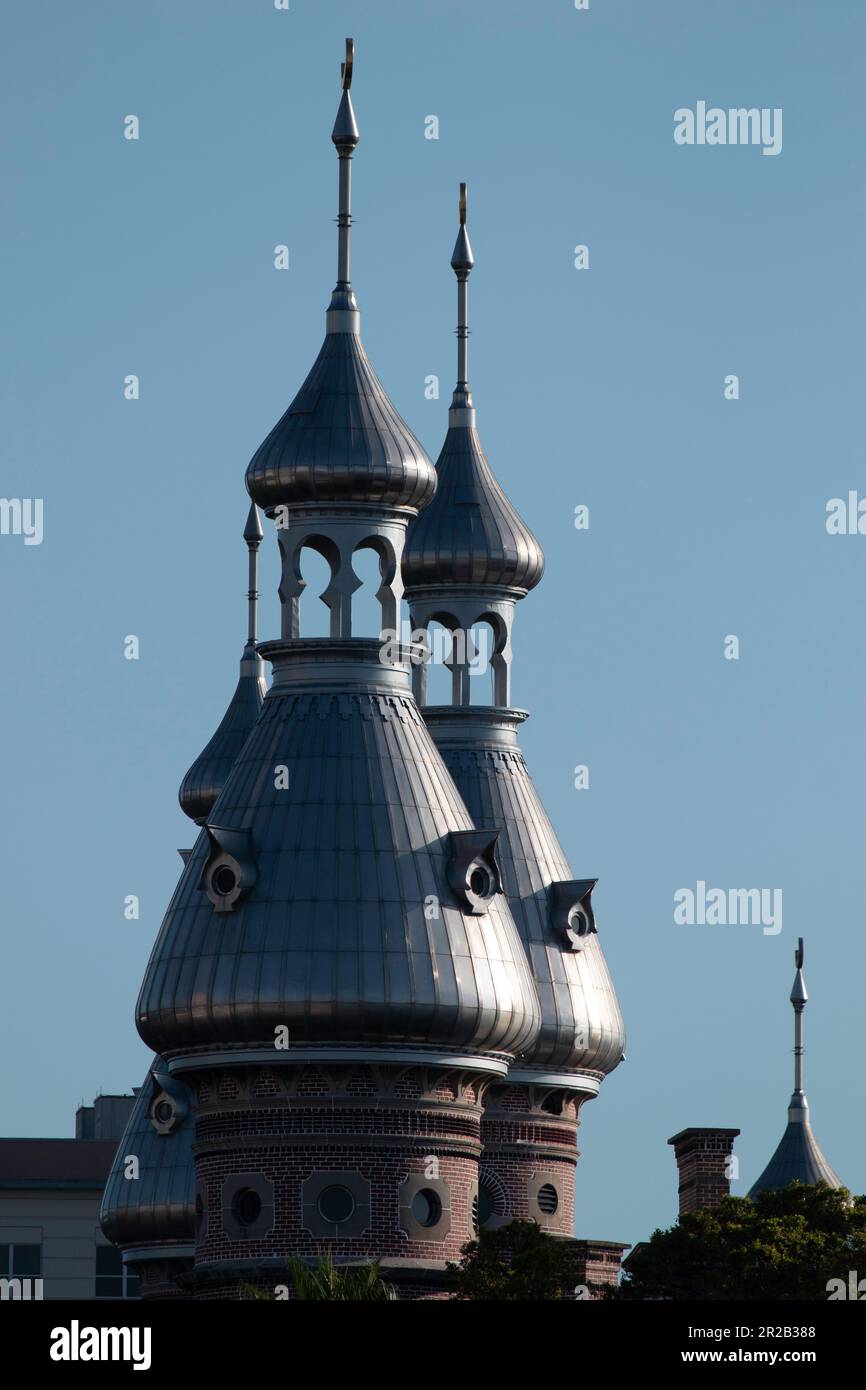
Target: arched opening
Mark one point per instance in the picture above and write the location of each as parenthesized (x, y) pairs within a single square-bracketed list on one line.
[(315, 571), (439, 679), (366, 607), (480, 644)]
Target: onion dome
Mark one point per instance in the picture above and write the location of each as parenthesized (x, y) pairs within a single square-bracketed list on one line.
[(470, 534), (341, 440), (206, 778), (157, 1209), (798, 1157)]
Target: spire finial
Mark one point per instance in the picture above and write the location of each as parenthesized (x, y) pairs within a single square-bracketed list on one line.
[(343, 311), (799, 999), (253, 535), (462, 262)]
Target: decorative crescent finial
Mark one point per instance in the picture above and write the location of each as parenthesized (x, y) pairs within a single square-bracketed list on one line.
[(798, 954), (346, 68), (463, 205)]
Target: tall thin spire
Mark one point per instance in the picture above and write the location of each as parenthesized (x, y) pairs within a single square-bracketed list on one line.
[(253, 535), (345, 136), (462, 262), (798, 1157)]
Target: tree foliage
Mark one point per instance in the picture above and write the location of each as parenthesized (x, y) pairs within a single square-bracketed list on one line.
[(783, 1245), (514, 1262)]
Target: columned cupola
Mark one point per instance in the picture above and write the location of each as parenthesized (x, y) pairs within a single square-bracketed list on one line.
[(469, 560), (338, 977)]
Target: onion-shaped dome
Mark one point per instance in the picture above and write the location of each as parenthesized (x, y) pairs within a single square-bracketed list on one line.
[(208, 774), (341, 440), (470, 534), (158, 1207)]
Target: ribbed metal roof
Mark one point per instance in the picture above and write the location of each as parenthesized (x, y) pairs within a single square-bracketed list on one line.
[(206, 778), (158, 1206), (470, 533), (798, 1157), (581, 1023), (351, 931), (341, 440)]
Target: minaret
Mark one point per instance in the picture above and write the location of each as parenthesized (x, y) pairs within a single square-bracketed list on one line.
[(469, 559), (338, 977), (206, 778), (798, 1157)]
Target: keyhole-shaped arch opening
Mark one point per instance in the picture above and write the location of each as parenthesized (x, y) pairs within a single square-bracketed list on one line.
[(316, 562), (366, 603)]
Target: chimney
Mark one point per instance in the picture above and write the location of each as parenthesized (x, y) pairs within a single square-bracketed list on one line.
[(706, 1164)]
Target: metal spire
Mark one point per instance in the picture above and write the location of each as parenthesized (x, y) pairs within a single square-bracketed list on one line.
[(253, 535), (462, 262), (799, 998), (798, 1155), (345, 136)]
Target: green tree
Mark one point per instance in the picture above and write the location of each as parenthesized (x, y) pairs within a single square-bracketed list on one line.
[(783, 1245), (514, 1262)]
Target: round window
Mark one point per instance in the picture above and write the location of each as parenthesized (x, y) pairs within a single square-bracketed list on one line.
[(247, 1207), (336, 1204), (163, 1111), (548, 1201), (480, 881), (224, 880), (426, 1207)]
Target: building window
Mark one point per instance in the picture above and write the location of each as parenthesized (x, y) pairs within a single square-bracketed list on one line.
[(548, 1199), (113, 1279), (20, 1261)]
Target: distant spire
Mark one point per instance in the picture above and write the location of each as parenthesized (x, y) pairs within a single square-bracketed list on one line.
[(343, 313), (462, 262), (798, 1156), (253, 535)]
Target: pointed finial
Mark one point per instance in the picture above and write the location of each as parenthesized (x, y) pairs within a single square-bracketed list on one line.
[(462, 260), (345, 134), (254, 531), (799, 997)]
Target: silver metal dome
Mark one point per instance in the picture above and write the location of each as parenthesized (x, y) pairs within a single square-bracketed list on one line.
[(158, 1207), (330, 891), (581, 1023)]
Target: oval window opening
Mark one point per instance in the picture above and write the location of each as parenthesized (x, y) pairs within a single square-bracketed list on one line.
[(336, 1204), (547, 1199), (247, 1207), (426, 1207)]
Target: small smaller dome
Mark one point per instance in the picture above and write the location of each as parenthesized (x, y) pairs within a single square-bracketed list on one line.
[(470, 533), (208, 775)]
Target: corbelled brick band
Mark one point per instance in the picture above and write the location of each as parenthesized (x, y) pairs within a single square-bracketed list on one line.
[(397, 1145)]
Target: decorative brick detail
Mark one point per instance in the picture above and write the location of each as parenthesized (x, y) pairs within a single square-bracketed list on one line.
[(395, 1127), (703, 1157), (529, 1134)]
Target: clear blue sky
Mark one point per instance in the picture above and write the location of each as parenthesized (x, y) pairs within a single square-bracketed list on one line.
[(601, 387)]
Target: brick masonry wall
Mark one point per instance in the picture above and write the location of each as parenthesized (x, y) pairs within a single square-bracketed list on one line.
[(525, 1145), (290, 1122)]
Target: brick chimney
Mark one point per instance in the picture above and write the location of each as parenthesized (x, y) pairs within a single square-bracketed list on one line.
[(705, 1166)]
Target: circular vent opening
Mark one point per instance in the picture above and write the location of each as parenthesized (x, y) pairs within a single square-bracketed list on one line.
[(224, 880), (548, 1201), (426, 1207), (336, 1204), (247, 1207)]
